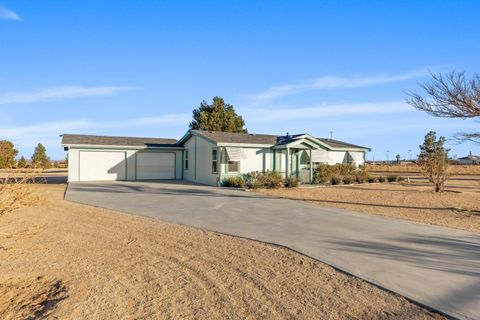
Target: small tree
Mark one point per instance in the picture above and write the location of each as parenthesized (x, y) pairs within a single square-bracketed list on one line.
[(39, 158), (7, 154), (22, 163), (433, 159), (217, 117)]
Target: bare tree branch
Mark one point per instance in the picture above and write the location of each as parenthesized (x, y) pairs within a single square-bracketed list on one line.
[(450, 96), (470, 137)]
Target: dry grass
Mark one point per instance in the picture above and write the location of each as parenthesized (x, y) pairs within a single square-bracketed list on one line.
[(118, 266), (459, 207), (15, 192), (415, 169)]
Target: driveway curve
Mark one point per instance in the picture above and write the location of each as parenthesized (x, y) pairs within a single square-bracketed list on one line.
[(434, 266)]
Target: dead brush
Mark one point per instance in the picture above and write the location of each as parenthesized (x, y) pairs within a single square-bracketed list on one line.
[(16, 192)]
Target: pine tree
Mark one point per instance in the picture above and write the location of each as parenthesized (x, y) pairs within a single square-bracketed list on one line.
[(39, 158), (7, 154), (217, 117), (22, 163)]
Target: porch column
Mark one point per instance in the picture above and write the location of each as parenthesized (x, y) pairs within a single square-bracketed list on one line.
[(311, 167), (219, 163), (287, 163)]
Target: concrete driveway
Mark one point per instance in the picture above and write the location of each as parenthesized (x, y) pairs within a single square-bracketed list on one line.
[(435, 266)]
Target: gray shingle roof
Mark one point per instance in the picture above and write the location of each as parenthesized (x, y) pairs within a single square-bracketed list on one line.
[(340, 144), (82, 139), (236, 137)]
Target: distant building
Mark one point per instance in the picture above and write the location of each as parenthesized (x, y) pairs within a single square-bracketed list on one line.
[(470, 159)]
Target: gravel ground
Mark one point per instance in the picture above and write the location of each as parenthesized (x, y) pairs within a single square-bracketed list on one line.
[(70, 261)]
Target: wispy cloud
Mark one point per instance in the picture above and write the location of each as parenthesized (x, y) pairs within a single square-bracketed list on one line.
[(322, 111), (7, 14), (54, 129), (328, 83), (63, 92)]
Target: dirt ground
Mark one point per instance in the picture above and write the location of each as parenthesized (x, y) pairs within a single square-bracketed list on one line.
[(62, 260), (458, 207)]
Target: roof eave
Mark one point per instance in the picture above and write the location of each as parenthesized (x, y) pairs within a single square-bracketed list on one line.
[(240, 144), (86, 146)]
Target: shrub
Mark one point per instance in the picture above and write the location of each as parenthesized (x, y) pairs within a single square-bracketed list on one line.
[(233, 182), (382, 179), (348, 179), (15, 193), (269, 180), (324, 172), (392, 178), (362, 177), (252, 180), (336, 179), (372, 180), (272, 180), (400, 179), (292, 182)]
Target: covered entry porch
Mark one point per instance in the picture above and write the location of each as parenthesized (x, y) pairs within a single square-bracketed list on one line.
[(295, 156), (298, 155)]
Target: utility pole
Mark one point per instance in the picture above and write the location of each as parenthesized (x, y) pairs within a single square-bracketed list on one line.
[(388, 158), (331, 135)]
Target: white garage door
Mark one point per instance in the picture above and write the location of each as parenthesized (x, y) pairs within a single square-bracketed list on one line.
[(155, 165), (102, 165)]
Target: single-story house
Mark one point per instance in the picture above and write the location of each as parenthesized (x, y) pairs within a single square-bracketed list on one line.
[(470, 159), (205, 157)]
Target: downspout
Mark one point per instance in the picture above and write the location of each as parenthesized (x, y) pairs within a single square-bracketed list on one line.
[(219, 164), (287, 163), (311, 167)]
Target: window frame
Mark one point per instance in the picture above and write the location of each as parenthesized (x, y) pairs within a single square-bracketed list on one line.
[(228, 166), (214, 160)]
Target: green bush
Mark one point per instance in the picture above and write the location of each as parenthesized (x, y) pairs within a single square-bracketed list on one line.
[(233, 182), (292, 182), (392, 178), (382, 179), (372, 180), (336, 179)]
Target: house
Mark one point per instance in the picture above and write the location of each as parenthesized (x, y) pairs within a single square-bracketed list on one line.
[(470, 159), (205, 157)]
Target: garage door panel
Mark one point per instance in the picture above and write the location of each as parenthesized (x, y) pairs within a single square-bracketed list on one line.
[(155, 165), (102, 165)]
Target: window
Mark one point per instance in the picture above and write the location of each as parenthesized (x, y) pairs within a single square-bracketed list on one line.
[(214, 160), (233, 166), (186, 159)]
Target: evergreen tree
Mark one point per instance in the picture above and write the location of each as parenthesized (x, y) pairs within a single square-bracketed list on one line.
[(433, 159), (22, 163), (217, 117), (7, 154), (39, 158)]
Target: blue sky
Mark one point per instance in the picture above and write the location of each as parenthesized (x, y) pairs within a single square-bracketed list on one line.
[(138, 68)]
